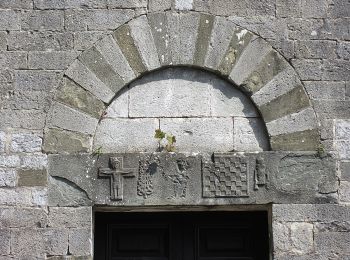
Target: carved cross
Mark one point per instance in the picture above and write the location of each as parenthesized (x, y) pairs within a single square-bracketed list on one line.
[(116, 173)]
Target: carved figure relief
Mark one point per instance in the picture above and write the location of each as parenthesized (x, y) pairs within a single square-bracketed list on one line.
[(147, 168), (179, 179), (226, 177), (116, 173), (260, 173)]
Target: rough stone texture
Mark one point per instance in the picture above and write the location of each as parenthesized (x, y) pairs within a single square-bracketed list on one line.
[(51, 60), (2, 141), (341, 138), (80, 241), (129, 135), (302, 238), (5, 242), (159, 5), (344, 191), (26, 143), (330, 90), (200, 135), (20, 217), (183, 4), (32, 178), (43, 20), (8, 178), (345, 171), (69, 217)]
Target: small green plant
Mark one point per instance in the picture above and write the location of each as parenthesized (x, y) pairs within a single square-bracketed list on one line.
[(97, 152), (171, 140), (321, 150)]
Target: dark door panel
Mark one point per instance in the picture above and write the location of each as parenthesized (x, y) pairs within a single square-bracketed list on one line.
[(181, 236)]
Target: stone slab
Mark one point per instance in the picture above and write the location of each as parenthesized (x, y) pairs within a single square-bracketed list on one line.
[(32, 178), (308, 140), (8, 177), (22, 217), (69, 217)]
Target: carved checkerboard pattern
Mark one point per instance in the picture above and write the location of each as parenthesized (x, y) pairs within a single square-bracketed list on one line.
[(227, 177)]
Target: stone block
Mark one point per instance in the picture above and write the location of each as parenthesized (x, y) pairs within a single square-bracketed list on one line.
[(9, 161), (128, 135), (251, 57), (335, 242), (18, 196), (16, 4), (2, 141), (308, 69), (98, 20), (61, 141), (183, 31), (51, 60), (331, 90), (344, 191), (69, 119), (183, 5), (297, 122), (96, 63), (221, 35), (6, 75), (141, 33), (330, 109), (40, 197), (171, 93), (69, 4), (342, 129), (68, 217), (75, 96), (310, 213), (39, 41), (281, 84), (21, 217), (308, 140), (287, 8), (200, 134), (314, 8), (281, 237), (336, 70), (3, 41), (8, 178), (159, 5), (114, 56), (86, 39), (26, 119), (13, 60), (88, 80), (343, 50), (80, 241), (343, 148), (250, 135), (302, 236), (5, 241), (339, 9), (345, 171), (25, 143), (293, 101), (337, 29), (37, 161), (32, 178), (38, 242), (42, 20), (31, 80), (315, 49), (127, 3), (64, 193), (9, 20)]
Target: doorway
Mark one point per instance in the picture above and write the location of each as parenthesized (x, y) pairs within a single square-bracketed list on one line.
[(182, 236)]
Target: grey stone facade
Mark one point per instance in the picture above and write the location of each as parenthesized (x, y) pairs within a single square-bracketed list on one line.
[(263, 84)]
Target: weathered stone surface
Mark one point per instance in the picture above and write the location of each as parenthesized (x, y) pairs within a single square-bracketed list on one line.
[(80, 241), (96, 20), (31, 178), (40, 197), (37, 161), (126, 3), (18, 196), (343, 148), (61, 141), (13, 59), (308, 140), (183, 4), (302, 236), (337, 242), (69, 257), (159, 28), (344, 191), (342, 129), (129, 135), (281, 237), (114, 56), (26, 143), (3, 41), (287, 8), (345, 171), (37, 242), (159, 5), (128, 47), (52, 60), (315, 49), (52, 20), (77, 97), (95, 62), (21, 217), (308, 69), (69, 119), (9, 20), (141, 33), (16, 4), (85, 78), (297, 122), (250, 135), (26, 119), (314, 8), (5, 242), (249, 61), (8, 178), (329, 90), (288, 103), (40, 41), (85, 39), (9, 161), (68, 4), (31, 80), (334, 226), (2, 141), (119, 108), (196, 134), (79, 217), (183, 30), (64, 193)]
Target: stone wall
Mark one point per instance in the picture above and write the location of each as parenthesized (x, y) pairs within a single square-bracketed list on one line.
[(39, 39)]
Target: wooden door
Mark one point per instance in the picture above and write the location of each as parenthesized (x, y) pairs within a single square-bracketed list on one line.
[(182, 236)]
